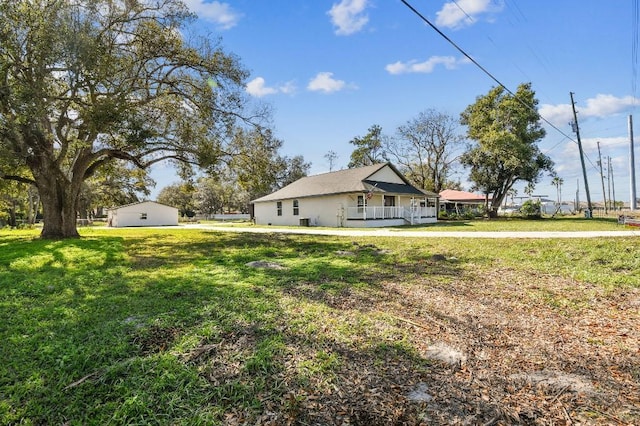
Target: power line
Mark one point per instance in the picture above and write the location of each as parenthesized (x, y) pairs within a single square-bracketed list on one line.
[(462, 10), (483, 69), (517, 8), (556, 145)]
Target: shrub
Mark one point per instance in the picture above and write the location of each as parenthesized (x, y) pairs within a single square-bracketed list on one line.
[(531, 209)]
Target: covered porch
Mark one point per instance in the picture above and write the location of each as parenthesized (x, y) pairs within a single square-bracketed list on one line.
[(388, 209)]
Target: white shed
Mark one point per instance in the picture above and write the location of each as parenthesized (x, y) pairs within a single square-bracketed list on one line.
[(144, 213)]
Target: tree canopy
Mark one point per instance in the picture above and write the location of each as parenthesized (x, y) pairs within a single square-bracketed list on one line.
[(369, 149), (257, 164), (506, 129), (114, 184), (181, 196), (83, 83), (220, 194)]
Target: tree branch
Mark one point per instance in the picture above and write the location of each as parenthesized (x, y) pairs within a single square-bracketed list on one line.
[(21, 179)]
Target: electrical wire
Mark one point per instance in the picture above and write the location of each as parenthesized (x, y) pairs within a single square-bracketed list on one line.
[(555, 146), (483, 69), (514, 6), (463, 11)]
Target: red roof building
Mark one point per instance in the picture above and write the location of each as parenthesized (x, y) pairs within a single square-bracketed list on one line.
[(453, 200), (451, 195)]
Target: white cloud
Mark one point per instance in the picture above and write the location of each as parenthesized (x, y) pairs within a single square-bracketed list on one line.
[(289, 88), (449, 62), (258, 88), (559, 115), (598, 107), (460, 13), (348, 16), (569, 154), (217, 12), (591, 144), (324, 82), (604, 105)]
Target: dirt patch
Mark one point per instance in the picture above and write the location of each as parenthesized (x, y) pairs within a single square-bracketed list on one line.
[(556, 380), (445, 353), (420, 393), (264, 264), (154, 339)]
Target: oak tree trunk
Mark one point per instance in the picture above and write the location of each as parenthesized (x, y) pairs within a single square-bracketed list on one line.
[(59, 199), (13, 222)]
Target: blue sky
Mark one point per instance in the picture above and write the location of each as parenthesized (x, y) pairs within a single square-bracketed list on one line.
[(331, 69)]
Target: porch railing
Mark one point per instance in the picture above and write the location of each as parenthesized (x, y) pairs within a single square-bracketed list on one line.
[(389, 212)]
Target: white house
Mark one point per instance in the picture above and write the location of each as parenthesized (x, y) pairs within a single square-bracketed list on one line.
[(144, 213), (371, 196)]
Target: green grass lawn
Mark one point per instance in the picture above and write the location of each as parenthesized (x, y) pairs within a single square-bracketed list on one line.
[(170, 326), (557, 224)]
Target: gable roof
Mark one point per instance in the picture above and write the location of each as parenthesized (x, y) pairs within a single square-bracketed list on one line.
[(341, 182), (140, 202)]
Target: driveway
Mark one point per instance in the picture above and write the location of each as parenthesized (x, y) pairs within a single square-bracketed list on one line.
[(386, 232)]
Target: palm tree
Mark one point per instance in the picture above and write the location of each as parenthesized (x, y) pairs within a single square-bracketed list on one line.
[(557, 182), (529, 189)]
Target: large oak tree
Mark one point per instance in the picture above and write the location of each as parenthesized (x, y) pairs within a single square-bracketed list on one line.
[(85, 82), (506, 130)]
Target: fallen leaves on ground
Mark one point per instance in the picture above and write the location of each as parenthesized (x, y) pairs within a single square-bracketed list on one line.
[(489, 348)]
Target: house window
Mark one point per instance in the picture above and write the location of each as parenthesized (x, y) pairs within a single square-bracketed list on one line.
[(360, 203), (389, 201), (143, 216), (296, 209), (279, 207)]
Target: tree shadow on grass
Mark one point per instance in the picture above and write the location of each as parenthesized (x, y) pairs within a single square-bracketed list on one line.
[(114, 329)]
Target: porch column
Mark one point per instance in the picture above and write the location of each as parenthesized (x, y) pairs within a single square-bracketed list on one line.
[(412, 208), (364, 206)]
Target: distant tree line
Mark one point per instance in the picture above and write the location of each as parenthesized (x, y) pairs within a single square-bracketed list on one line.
[(254, 168)]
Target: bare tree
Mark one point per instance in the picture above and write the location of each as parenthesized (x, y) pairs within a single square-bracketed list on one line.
[(426, 149), (331, 157)]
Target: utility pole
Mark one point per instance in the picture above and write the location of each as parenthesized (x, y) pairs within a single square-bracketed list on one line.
[(612, 205), (576, 129), (632, 167), (613, 185), (604, 195)]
